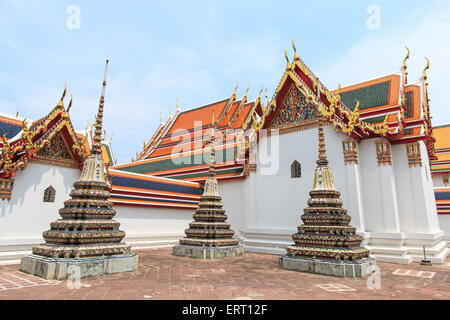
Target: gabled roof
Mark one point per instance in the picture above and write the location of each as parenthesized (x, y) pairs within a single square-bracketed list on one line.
[(387, 107), (17, 151)]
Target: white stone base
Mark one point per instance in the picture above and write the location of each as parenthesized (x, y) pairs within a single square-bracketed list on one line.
[(59, 269), (343, 269)]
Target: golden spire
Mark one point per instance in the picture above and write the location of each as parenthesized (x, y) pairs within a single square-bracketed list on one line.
[(296, 57), (288, 65), (237, 85), (323, 161), (212, 152), (96, 145)]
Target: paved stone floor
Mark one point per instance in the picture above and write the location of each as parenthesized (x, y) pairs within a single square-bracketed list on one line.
[(251, 277)]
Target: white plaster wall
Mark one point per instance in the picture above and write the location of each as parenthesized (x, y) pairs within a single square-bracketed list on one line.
[(437, 180), (234, 202), (279, 199), (26, 216), (444, 222), (417, 206), (152, 226)]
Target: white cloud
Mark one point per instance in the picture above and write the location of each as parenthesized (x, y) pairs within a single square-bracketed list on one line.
[(382, 53)]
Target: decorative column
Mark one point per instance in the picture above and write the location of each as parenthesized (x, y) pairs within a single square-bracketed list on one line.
[(353, 185), (326, 243), (86, 237), (209, 236)]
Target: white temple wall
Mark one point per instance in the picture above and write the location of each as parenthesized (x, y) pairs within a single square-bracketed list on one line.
[(276, 201), (147, 227), (26, 216)]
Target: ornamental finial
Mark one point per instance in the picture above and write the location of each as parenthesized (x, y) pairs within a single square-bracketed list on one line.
[(424, 73), (296, 57), (60, 103), (70, 103), (237, 85), (96, 145), (248, 87), (323, 161), (406, 58), (177, 106), (288, 65)]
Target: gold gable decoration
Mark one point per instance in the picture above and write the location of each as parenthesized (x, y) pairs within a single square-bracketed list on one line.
[(57, 153), (295, 110)]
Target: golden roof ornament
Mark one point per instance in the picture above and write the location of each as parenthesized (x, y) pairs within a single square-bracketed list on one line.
[(176, 105), (296, 57), (288, 65), (60, 103), (424, 72), (70, 104)]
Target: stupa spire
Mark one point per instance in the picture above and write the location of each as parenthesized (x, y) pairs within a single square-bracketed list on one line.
[(86, 229), (212, 152), (96, 145), (322, 161)]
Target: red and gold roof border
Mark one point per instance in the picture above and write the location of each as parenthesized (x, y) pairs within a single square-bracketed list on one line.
[(18, 153)]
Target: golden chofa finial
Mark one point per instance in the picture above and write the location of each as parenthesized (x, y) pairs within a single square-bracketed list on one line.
[(424, 73), (60, 103), (246, 90), (170, 113), (235, 89), (176, 105), (357, 106), (296, 57), (406, 58), (70, 103), (288, 64), (160, 117)]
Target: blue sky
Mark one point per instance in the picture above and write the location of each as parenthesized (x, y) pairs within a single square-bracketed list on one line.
[(196, 50)]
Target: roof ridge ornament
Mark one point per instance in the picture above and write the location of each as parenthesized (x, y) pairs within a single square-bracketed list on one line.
[(296, 57), (70, 104), (61, 103), (288, 64), (424, 72)]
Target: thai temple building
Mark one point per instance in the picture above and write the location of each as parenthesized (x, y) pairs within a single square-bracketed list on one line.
[(388, 162)]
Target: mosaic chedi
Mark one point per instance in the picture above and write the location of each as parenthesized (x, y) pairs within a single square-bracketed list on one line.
[(326, 233), (86, 228), (209, 230)]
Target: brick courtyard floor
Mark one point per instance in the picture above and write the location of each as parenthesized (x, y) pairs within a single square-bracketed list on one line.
[(251, 277)]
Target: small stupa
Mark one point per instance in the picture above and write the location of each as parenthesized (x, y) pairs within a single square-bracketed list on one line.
[(326, 243), (209, 236), (86, 237)]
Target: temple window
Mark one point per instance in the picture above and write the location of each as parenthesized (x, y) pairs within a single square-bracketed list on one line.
[(296, 169), (49, 194)]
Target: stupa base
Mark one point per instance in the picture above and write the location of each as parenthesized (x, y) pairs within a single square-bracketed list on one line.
[(62, 268), (337, 268), (182, 250)]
